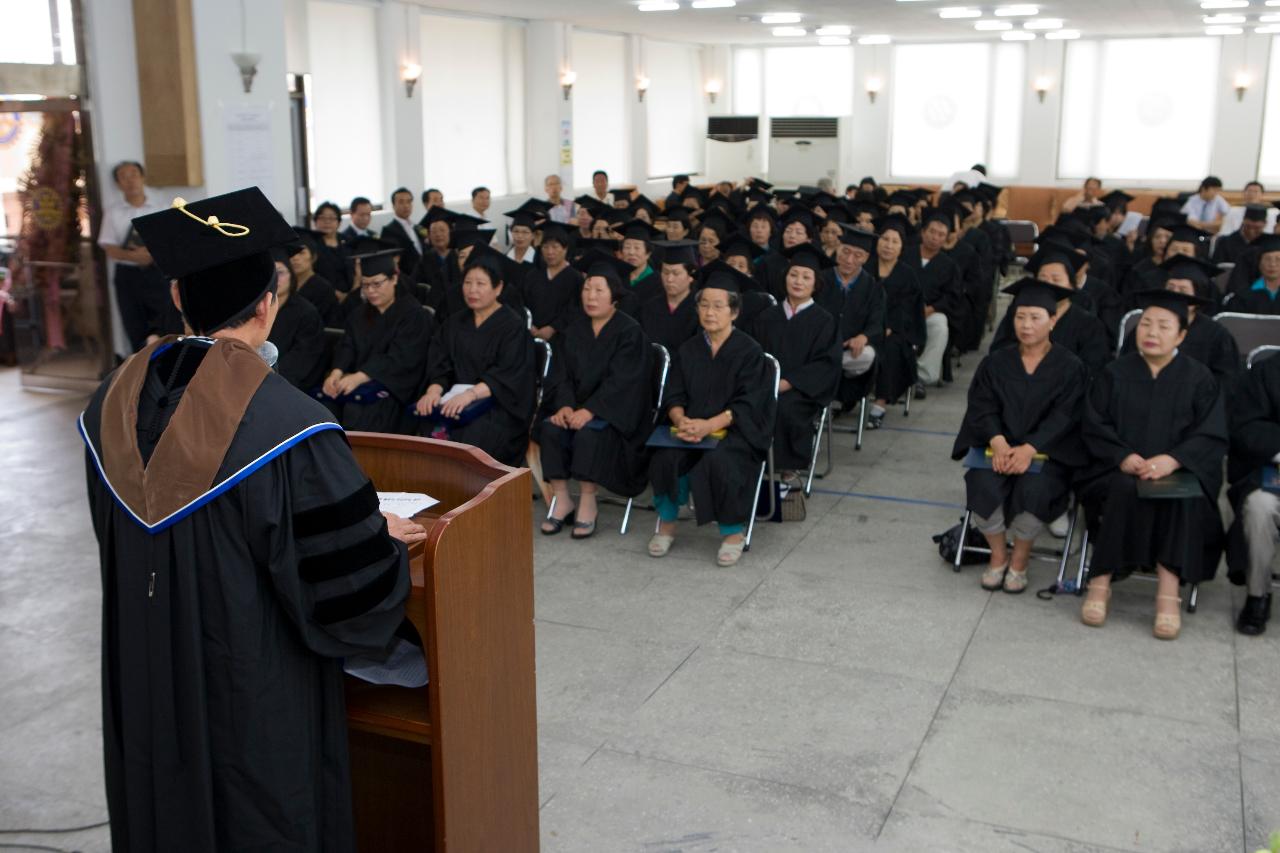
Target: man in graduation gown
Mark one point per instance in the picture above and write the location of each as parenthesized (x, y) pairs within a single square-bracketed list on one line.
[(243, 555), (942, 287), (1259, 285), (856, 299), (1230, 249)]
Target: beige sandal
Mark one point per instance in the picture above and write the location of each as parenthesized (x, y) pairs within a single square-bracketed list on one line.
[(1094, 611), (660, 544), (1015, 581), (1168, 625), (730, 553), (993, 577)]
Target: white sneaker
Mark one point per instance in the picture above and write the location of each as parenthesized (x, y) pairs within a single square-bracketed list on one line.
[(1059, 526)]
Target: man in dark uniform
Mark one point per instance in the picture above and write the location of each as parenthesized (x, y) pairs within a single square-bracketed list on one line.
[(243, 554)]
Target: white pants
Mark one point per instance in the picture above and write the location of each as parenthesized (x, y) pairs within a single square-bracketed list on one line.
[(857, 366), (929, 367), (1261, 518)]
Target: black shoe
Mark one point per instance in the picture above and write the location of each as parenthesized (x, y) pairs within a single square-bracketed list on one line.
[(920, 393), (1254, 615)]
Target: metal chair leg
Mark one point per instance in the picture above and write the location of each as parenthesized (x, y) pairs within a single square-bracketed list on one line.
[(964, 537), (1073, 514), (1194, 598), (551, 507), (813, 458), (906, 410), (755, 503), (1082, 571), (862, 423), (626, 516)]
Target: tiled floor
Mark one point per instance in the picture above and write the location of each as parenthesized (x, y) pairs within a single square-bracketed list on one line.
[(841, 689)]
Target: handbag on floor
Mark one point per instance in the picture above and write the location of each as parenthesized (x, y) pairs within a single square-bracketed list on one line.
[(949, 540)]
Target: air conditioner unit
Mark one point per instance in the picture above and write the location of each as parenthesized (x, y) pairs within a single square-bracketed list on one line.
[(803, 150), (733, 148)]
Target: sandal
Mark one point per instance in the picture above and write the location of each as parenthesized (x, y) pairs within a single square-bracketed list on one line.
[(1168, 625), (557, 524), (660, 544), (993, 577), (730, 553), (1094, 611), (1015, 582), (583, 529)]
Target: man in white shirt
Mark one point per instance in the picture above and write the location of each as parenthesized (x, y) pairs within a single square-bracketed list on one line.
[(1207, 208), (142, 291), (600, 187), (401, 231), (361, 216), (1253, 192), (1090, 196), (561, 208)]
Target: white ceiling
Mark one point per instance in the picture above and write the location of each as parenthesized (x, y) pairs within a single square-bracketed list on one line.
[(904, 21)]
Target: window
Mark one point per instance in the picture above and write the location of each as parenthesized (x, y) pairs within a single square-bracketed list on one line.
[(674, 105), (32, 33), (808, 81), (1138, 109), (1269, 160), (747, 67), (345, 120), (955, 105), (601, 96), (473, 105)]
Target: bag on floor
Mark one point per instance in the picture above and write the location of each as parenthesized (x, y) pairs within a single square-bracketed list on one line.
[(792, 503), (948, 541)]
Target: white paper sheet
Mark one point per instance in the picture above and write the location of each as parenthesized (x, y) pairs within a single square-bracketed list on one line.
[(405, 504)]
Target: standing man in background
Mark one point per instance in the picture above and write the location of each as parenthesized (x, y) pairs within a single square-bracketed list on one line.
[(401, 231), (561, 208), (361, 216)]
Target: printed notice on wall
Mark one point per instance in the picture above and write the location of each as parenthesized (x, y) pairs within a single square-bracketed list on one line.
[(249, 160)]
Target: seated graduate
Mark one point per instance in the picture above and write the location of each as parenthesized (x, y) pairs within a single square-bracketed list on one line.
[(942, 287), (797, 228), (595, 410), (904, 329), (1024, 401), (1231, 248), (311, 285), (762, 225), (1074, 329), (971, 249), (437, 256), (829, 235), (1206, 341), (1148, 415), (446, 298), (713, 232), (1255, 445), (671, 319), (331, 254), (378, 365), (637, 250), (1144, 273), (678, 224), (857, 300), (552, 290), (298, 332), (718, 381), (488, 349), (804, 337), (1259, 295)]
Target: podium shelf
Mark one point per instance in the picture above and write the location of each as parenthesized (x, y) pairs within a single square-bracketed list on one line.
[(402, 713)]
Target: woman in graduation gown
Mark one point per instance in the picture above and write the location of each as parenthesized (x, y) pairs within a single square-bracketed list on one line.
[(446, 299), (595, 409), (719, 381), (298, 332), (1024, 401), (1148, 415), (552, 290), (311, 285), (331, 255), (804, 337), (377, 368), (488, 348), (904, 330), (671, 319), (642, 282)]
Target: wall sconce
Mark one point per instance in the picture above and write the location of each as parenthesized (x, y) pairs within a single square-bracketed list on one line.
[(1242, 82), (642, 86), (248, 65), (712, 88), (1041, 87), (874, 85), (410, 72), (567, 79)]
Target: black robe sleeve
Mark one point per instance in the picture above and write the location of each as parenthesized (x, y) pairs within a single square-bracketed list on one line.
[(1201, 450), (1255, 420), (510, 375), (301, 354), (400, 366), (619, 398), (863, 312), (1100, 433), (982, 415), (817, 372)]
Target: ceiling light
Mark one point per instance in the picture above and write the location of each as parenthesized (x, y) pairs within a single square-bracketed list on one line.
[(839, 30), (790, 32), (1017, 11), (1043, 24), (1272, 3), (1223, 31), (879, 38), (658, 6), (1225, 4), (959, 12), (1062, 35), (780, 18), (1018, 35), (1224, 19), (713, 4), (1267, 30), (993, 25), (832, 41), (1269, 19)]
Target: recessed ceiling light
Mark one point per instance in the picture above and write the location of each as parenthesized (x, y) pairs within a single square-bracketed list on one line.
[(1017, 11), (832, 41), (790, 32), (713, 4), (780, 18), (992, 25), (1267, 30), (1018, 35), (1225, 4), (879, 38), (1043, 24), (1062, 35), (658, 6), (1223, 31), (959, 12), (837, 30), (1225, 19), (1269, 19)]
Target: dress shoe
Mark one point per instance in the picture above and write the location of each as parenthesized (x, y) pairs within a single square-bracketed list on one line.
[(1254, 615)]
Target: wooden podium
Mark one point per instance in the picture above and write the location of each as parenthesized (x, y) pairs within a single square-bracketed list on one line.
[(453, 766)]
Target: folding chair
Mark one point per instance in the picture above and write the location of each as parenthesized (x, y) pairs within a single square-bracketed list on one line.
[(1128, 323), (818, 426), (528, 318), (869, 383), (1261, 353), (1060, 559), (542, 350), (766, 467), (1022, 231), (661, 368), (1251, 331)]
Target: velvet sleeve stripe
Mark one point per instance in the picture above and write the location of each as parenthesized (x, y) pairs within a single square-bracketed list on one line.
[(331, 565), (354, 508), (361, 601)]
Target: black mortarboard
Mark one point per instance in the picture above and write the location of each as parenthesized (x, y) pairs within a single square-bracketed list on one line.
[(677, 251), (860, 206), (1190, 234), (1031, 293), (613, 215), (1167, 221), (638, 229), (718, 275), (797, 213), (508, 270), (591, 203), (720, 203), (534, 206), (376, 257), (464, 237), (788, 196), (643, 201), (1198, 272), (219, 250), (1266, 243), (1092, 214), (1052, 252), (309, 239), (738, 244), (465, 221), (597, 263), (762, 211), (718, 223), (621, 194), (520, 217), (895, 222), (1170, 300), (1165, 206), (851, 235), (945, 215), (759, 183), (437, 213), (1256, 212), (902, 198), (1116, 199), (284, 253), (808, 255), (678, 213), (553, 231), (825, 200)]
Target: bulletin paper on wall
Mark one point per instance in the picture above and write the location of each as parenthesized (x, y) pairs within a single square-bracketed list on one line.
[(249, 159)]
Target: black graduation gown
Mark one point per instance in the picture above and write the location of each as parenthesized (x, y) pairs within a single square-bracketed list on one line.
[(320, 292), (224, 723), (553, 301), (638, 292), (331, 263), (1250, 301), (1077, 331), (392, 349), (904, 333), (771, 272), (1255, 440), (1105, 304), (498, 353), (446, 299), (1181, 413), (1230, 249), (722, 480), (670, 328), (941, 285), (433, 271), (1001, 246), (1143, 275), (299, 335), (808, 348), (1211, 345), (609, 375), (394, 232), (975, 293), (861, 312), (1042, 409)]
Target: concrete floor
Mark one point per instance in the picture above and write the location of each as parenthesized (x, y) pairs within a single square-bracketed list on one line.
[(841, 689)]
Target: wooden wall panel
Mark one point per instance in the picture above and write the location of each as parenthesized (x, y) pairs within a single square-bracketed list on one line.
[(165, 43)]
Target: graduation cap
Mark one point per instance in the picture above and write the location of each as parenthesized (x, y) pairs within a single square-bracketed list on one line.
[(825, 200), (1165, 207), (1170, 300), (760, 197), (1116, 199), (436, 214), (718, 275), (464, 221), (861, 206), (787, 196), (219, 250), (621, 194), (808, 255), (1256, 212), (676, 213), (852, 235), (677, 251), (283, 253), (903, 199), (591, 203), (894, 222), (473, 237), (759, 183), (638, 229), (1198, 272), (594, 262), (945, 215), (376, 257), (737, 245), (719, 223), (529, 213), (613, 215), (552, 230), (308, 239), (589, 244), (503, 268), (1053, 252), (642, 201), (721, 204), (1092, 215), (1190, 234), (1167, 221), (1032, 293), (1267, 243), (762, 211), (797, 212)]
